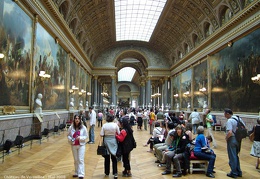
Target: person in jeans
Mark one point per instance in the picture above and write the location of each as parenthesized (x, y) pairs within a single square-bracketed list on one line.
[(77, 135), (201, 146), (92, 123), (145, 119), (232, 144), (209, 121), (100, 118), (109, 131), (195, 120)]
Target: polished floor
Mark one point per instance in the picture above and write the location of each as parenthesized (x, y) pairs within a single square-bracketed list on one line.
[(53, 159)]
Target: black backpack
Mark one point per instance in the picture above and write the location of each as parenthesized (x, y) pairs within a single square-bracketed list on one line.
[(241, 131), (7, 145)]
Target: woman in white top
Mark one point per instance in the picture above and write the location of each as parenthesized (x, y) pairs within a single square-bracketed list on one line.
[(77, 135), (109, 131)]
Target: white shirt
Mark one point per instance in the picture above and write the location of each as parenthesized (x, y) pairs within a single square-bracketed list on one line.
[(109, 128), (92, 117)]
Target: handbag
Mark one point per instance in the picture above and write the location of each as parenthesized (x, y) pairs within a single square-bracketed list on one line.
[(252, 136), (101, 149)]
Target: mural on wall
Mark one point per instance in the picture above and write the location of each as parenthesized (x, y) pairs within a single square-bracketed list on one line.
[(186, 89), (15, 40), (82, 86), (231, 71), (200, 81), (74, 72), (51, 58), (176, 83)]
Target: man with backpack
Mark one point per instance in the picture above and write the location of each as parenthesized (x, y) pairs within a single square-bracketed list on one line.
[(233, 145)]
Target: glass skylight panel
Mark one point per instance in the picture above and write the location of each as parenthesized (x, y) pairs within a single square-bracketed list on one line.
[(136, 19), (126, 74)]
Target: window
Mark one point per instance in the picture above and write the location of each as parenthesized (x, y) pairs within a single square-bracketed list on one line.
[(136, 19)]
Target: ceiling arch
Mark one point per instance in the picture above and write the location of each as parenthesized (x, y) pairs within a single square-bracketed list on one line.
[(178, 22)]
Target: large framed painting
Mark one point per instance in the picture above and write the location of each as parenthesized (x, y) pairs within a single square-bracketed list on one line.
[(15, 38), (200, 83), (231, 70), (176, 88), (186, 78), (51, 58)]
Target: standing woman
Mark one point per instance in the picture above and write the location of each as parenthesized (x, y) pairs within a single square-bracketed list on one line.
[(77, 135), (126, 139), (100, 118), (139, 119), (255, 150), (108, 131)]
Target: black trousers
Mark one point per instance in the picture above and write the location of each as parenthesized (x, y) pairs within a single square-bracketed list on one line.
[(107, 164), (126, 162)]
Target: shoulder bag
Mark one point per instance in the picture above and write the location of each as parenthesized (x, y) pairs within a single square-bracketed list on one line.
[(101, 150), (252, 135)]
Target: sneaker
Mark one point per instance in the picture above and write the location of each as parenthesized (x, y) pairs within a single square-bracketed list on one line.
[(91, 142), (115, 176)]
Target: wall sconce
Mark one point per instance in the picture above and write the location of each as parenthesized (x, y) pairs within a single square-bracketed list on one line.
[(71, 91), (89, 93), (44, 75), (256, 79), (176, 95), (2, 55), (229, 44), (82, 92), (203, 90), (187, 93), (104, 94), (74, 88)]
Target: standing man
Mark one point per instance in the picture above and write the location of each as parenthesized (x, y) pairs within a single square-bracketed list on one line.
[(232, 144), (195, 120), (209, 122), (92, 123)]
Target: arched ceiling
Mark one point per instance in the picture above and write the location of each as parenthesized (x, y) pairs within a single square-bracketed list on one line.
[(93, 23)]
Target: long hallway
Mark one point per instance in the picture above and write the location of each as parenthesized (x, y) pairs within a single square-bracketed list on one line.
[(53, 159)]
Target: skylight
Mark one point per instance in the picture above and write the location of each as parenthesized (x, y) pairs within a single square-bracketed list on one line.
[(126, 74), (136, 19)]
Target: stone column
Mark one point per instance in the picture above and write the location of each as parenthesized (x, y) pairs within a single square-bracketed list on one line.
[(101, 97), (113, 89), (95, 91), (165, 92), (142, 94), (148, 91)]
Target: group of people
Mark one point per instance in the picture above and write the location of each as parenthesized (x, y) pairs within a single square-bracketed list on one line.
[(176, 148), (117, 137), (171, 140)]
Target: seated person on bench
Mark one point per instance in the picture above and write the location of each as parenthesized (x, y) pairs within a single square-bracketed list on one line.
[(203, 151)]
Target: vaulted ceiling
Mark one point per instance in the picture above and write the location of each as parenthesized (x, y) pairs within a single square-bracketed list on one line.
[(183, 25)]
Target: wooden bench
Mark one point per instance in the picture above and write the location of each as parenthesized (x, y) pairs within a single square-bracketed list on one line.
[(202, 165), (197, 164), (218, 127)]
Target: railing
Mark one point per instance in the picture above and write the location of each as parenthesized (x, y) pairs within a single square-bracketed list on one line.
[(33, 133)]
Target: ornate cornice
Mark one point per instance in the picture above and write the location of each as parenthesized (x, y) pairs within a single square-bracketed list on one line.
[(54, 23), (235, 28)]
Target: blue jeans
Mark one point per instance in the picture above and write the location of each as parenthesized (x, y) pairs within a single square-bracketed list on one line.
[(194, 128), (210, 157), (92, 133), (232, 149)]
